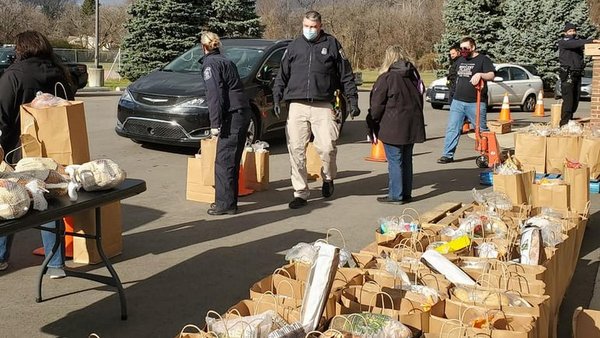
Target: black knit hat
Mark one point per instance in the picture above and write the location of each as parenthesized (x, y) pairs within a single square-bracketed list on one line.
[(569, 25)]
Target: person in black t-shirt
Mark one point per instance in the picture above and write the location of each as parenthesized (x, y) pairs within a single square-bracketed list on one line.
[(471, 68)]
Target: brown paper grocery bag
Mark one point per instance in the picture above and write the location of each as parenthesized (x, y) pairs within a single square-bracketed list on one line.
[(579, 187), (555, 196), (530, 151), (196, 190), (85, 250), (590, 155), (256, 170), (560, 148), (208, 148), (56, 132), (586, 323), (555, 112), (313, 162), (517, 186)]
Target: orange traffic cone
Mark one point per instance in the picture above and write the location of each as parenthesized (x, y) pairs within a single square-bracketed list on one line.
[(505, 112), (242, 190), (68, 240), (466, 127), (377, 153), (539, 106)]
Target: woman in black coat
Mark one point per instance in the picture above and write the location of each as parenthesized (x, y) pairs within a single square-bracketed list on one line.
[(396, 116), (36, 69)]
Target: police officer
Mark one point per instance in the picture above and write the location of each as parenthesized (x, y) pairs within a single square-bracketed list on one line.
[(454, 53), (229, 112), (570, 57), (312, 69)]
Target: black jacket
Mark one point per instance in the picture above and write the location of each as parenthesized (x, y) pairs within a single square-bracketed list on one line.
[(570, 52), (18, 85), (396, 105), (452, 75), (314, 70), (224, 89)]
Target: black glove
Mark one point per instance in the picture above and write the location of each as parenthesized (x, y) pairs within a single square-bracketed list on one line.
[(354, 111), (277, 110)]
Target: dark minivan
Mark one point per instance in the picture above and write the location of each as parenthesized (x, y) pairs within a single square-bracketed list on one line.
[(168, 105)]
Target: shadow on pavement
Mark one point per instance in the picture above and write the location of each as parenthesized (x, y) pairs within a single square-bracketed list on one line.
[(162, 304), (581, 289)]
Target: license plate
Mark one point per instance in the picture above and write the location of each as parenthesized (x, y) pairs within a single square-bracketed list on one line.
[(440, 96)]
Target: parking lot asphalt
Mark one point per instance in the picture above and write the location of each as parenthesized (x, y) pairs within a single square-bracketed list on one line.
[(178, 262)]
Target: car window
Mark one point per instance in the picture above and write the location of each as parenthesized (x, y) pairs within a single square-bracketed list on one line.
[(587, 72), (273, 63), (518, 74), (503, 73), (5, 56), (244, 58)]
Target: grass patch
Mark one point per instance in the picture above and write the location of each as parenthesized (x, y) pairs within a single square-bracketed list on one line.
[(114, 83), (370, 75)]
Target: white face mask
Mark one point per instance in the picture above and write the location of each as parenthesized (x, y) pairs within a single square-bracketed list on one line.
[(310, 33)]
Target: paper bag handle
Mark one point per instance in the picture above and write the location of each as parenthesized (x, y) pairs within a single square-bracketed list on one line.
[(339, 232), (64, 90)]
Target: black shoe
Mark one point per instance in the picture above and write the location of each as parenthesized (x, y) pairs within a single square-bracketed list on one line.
[(298, 203), (445, 160), (387, 200), (406, 200), (327, 188), (217, 212)]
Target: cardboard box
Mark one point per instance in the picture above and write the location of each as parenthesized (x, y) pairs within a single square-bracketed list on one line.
[(85, 250), (196, 190), (499, 127), (592, 49)]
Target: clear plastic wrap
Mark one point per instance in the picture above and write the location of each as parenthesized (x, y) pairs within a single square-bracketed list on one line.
[(488, 250), (370, 325), (46, 100), (258, 326), (38, 163), (452, 232), (487, 298), (493, 199), (14, 200), (550, 227), (294, 330), (572, 128), (395, 269), (260, 147), (392, 225), (302, 253), (483, 224), (95, 175), (509, 167)]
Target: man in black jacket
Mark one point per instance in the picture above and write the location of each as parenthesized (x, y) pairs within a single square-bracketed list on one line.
[(313, 67), (570, 57)]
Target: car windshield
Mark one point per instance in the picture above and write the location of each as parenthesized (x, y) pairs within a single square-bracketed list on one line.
[(587, 72), (244, 58)]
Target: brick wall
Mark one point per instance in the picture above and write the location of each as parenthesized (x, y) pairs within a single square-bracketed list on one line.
[(595, 104)]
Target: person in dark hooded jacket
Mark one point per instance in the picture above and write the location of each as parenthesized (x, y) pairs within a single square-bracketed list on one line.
[(36, 69), (396, 116)]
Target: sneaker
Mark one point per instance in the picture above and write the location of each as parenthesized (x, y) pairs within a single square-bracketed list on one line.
[(216, 212), (327, 189), (388, 200), (297, 203), (3, 266), (445, 160), (56, 273)]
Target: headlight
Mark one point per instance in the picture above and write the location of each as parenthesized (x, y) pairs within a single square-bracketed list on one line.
[(126, 96), (199, 102)]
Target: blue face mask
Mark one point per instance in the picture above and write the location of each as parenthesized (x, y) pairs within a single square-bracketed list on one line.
[(310, 33)]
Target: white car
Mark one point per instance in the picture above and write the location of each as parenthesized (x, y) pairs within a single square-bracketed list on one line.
[(520, 84)]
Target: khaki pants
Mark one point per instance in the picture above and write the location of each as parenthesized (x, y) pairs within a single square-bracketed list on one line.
[(303, 118)]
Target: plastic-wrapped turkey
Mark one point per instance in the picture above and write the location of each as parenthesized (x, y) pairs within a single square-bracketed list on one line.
[(39, 163), (96, 175), (55, 183), (14, 200)]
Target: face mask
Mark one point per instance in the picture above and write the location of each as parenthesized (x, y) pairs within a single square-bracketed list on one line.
[(309, 33), (571, 36)]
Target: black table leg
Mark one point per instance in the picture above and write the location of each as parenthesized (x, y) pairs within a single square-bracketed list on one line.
[(113, 273), (58, 230)]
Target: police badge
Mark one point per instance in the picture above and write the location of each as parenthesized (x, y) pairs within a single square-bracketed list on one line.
[(324, 51)]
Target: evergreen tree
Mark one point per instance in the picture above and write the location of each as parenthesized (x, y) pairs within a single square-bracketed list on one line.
[(159, 31), (88, 8), (531, 29), (236, 18), (479, 19)]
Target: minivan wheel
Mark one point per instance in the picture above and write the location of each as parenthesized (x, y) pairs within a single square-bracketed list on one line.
[(529, 104)]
